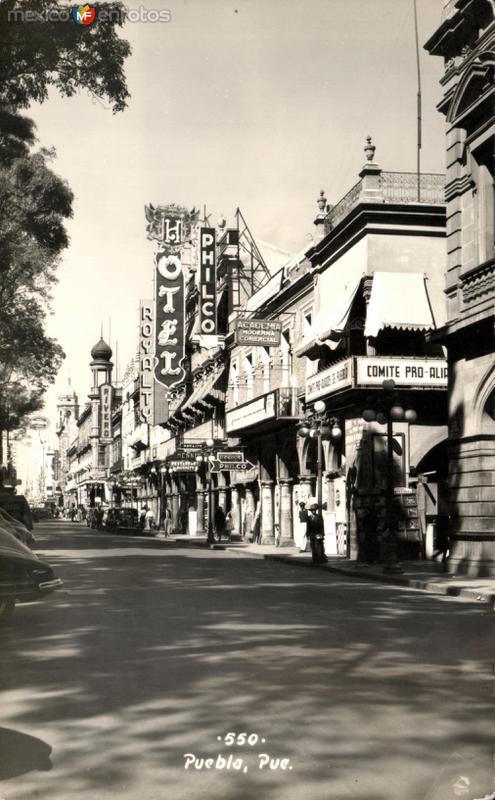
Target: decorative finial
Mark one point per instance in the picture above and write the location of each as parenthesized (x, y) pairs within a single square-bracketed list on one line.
[(322, 202), (369, 149)]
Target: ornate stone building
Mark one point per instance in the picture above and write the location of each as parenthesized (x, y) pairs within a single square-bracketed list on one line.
[(466, 41)]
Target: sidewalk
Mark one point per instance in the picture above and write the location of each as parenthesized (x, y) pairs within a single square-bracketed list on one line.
[(423, 575)]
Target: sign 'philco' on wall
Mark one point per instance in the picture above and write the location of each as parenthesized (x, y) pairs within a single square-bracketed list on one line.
[(258, 332), (146, 359), (106, 397), (207, 277)]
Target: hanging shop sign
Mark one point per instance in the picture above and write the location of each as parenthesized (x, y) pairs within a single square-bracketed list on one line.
[(415, 372), (146, 359), (207, 278), (258, 332), (250, 413), (182, 465), (106, 396), (329, 380)]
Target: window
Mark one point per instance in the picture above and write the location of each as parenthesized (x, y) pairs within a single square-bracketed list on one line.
[(265, 368), (286, 357), (248, 369), (234, 376)]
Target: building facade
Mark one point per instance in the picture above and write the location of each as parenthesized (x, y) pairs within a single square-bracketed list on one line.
[(466, 41)]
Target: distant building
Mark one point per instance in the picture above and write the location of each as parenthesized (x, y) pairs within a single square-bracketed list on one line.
[(466, 41)]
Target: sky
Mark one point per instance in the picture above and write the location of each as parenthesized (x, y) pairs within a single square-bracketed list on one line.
[(252, 103)]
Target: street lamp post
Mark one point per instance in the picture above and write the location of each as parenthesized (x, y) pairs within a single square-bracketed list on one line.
[(318, 425), (388, 410), (205, 458)]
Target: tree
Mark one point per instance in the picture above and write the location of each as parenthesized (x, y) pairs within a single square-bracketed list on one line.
[(39, 54), (34, 201)]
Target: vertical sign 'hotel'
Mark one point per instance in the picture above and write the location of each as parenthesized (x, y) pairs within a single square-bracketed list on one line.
[(207, 277)]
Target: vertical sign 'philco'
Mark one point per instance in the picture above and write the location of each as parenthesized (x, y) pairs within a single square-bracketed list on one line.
[(106, 395), (146, 359), (170, 319), (207, 277)]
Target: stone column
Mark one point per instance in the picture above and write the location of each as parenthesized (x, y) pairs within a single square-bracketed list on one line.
[(222, 497), (306, 484), (174, 507), (267, 529), (200, 506), (235, 501), (250, 510), (286, 534)]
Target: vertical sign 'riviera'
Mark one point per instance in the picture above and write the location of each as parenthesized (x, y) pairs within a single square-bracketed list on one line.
[(146, 359), (106, 397), (207, 277)]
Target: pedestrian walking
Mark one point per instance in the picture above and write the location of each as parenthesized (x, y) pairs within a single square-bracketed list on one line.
[(142, 517), (229, 525), (149, 519), (302, 540), (167, 521), (219, 522), (316, 534), (442, 539)]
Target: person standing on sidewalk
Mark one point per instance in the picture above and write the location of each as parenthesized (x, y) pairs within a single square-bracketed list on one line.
[(316, 534), (303, 528), (167, 521)]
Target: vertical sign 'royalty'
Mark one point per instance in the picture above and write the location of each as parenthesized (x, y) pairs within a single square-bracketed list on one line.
[(207, 277), (146, 359)]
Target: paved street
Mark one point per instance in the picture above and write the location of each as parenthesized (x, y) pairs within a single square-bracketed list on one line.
[(154, 650)]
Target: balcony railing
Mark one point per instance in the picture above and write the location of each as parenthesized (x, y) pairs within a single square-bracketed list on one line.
[(394, 187)]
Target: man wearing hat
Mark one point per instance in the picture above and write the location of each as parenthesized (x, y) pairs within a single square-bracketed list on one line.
[(316, 533)]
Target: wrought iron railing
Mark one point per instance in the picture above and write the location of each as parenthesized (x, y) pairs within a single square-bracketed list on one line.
[(402, 187), (393, 187)]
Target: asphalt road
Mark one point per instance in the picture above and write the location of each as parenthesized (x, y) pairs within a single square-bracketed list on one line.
[(153, 650)]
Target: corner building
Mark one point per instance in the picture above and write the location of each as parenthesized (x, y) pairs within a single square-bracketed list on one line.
[(466, 41)]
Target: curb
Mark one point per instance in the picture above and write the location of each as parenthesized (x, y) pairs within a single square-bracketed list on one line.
[(429, 586)]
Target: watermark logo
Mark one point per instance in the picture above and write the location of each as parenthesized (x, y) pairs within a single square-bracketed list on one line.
[(86, 14), (83, 15)]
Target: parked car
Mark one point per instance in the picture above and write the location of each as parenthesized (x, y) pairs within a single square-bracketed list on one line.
[(123, 520), (17, 529), (18, 507), (23, 576)]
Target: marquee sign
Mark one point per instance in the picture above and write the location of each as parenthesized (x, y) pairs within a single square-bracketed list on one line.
[(146, 359), (332, 379), (419, 372), (106, 396), (207, 278), (258, 332)]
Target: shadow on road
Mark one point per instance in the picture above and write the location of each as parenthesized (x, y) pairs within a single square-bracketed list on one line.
[(153, 652), (21, 753)]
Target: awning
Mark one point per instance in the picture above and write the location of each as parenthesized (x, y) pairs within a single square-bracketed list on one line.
[(207, 389), (398, 300), (332, 317)]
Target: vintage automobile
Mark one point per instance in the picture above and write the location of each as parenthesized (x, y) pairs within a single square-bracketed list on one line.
[(16, 528), (23, 576), (123, 520), (18, 507)]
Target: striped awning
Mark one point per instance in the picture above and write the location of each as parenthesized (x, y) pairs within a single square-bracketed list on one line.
[(399, 300)]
